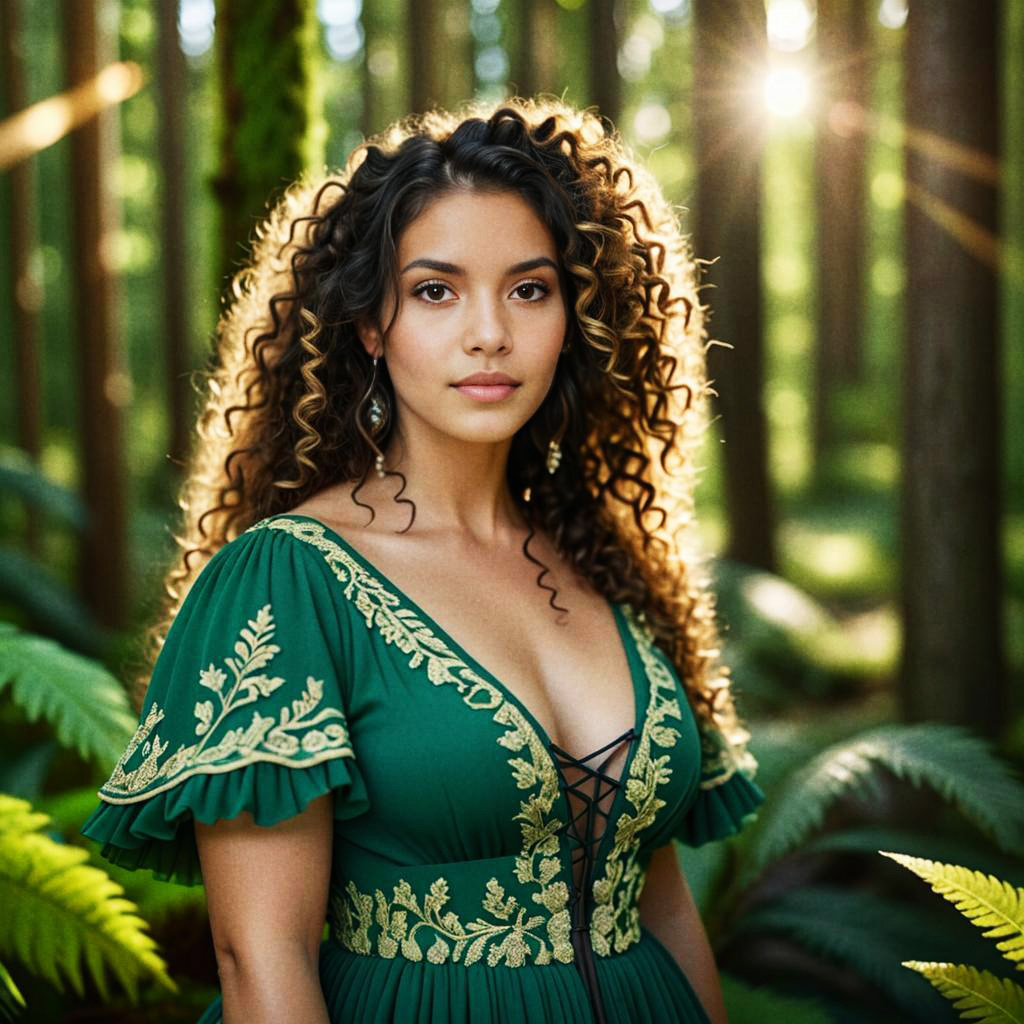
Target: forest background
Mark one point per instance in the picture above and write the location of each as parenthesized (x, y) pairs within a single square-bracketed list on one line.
[(853, 168)]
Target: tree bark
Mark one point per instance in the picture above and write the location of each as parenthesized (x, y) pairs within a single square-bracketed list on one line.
[(425, 41), (535, 62), (26, 290), (102, 381), (952, 663), (171, 97), (839, 179), (605, 85), (272, 124), (730, 37)]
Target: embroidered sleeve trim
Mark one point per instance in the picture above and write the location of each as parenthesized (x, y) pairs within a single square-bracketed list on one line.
[(295, 736), (506, 933)]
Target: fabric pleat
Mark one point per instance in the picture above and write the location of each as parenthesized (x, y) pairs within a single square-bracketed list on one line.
[(720, 811), (644, 985), (157, 833)]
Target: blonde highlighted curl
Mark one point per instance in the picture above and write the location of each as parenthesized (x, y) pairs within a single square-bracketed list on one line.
[(279, 424)]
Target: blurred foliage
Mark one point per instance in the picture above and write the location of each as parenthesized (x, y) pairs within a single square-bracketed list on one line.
[(798, 902)]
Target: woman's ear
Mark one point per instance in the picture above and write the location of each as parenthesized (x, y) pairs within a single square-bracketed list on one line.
[(370, 337)]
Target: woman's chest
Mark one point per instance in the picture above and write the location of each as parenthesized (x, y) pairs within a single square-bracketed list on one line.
[(458, 768)]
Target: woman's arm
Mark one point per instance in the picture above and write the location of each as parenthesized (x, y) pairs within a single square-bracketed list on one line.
[(266, 890), (667, 909)]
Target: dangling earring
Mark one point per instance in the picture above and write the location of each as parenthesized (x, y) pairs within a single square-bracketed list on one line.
[(554, 457), (377, 414)]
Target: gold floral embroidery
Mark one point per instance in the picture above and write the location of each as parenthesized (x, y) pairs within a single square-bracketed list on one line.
[(538, 862), (298, 737), (401, 917), (615, 922)]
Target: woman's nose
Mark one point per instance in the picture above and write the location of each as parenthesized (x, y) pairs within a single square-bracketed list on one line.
[(488, 330)]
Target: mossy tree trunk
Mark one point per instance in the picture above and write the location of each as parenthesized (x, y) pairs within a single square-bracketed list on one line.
[(730, 38), (272, 124), (952, 591)]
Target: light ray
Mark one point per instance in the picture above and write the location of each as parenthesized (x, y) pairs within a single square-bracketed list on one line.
[(41, 125)]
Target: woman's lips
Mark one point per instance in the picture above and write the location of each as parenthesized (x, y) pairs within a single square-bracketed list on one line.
[(485, 392)]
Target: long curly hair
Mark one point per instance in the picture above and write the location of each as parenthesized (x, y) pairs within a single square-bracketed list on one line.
[(281, 415)]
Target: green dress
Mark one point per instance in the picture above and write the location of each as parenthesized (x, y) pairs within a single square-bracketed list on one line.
[(294, 668)]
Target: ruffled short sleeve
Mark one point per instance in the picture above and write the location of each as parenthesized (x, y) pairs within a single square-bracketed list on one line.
[(245, 711), (727, 798)]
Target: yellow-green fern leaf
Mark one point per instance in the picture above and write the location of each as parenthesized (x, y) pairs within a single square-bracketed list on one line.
[(986, 901), (61, 914), (978, 995), (12, 1002)]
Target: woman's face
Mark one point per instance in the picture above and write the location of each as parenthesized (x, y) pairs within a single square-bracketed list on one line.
[(481, 319)]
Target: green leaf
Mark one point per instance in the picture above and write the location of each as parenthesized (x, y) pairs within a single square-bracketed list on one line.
[(86, 705), (20, 477), (978, 995), (748, 1005), (987, 902), (32, 589), (12, 1002), (63, 918), (860, 932), (958, 766)]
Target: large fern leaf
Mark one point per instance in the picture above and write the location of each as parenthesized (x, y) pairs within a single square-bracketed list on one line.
[(749, 1005), (857, 931), (987, 902), (88, 708), (978, 995), (22, 478), (12, 1002), (957, 765), (61, 915)]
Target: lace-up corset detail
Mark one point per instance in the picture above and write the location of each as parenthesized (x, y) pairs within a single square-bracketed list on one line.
[(595, 793)]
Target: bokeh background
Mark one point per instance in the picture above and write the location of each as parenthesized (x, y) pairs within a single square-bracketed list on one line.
[(852, 173)]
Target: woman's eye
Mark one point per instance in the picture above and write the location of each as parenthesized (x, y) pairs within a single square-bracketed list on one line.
[(536, 286), (433, 287)]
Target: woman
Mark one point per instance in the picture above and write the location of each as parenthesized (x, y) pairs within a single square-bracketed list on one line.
[(455, 411)]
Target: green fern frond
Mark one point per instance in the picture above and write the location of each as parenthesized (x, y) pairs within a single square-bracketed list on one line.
[(88, 708), (60, 913), (12, 1002), (746, 1005), (987, 902), (855, 930), (978, 995), (18, 816), (957, 765)]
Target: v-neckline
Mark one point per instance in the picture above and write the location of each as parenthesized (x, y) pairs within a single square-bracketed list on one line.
[(636, 675)]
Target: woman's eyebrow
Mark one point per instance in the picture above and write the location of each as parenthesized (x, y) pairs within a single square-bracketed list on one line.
[(451, 268)]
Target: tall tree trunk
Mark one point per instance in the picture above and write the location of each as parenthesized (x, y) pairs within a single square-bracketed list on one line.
[(370, 120), (839, 179), (605, 85), (730, 37), (952, 665), (272, 123), (171, 96), (535, 67), (26, 290), (102, 382), (425, 42)]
